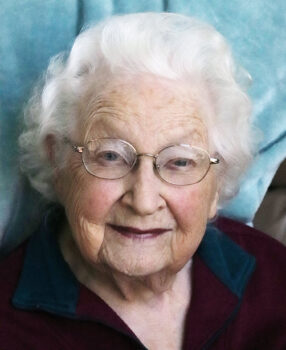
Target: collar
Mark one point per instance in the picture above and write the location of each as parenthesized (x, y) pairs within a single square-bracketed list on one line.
[(231, 264), (221, 270), (46, 282)]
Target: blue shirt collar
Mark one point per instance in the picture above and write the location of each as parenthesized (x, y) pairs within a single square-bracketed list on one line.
[(47, 283), (232, 265)]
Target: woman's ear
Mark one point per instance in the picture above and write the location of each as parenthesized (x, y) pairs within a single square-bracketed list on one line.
[(50, 148), (213, 206)]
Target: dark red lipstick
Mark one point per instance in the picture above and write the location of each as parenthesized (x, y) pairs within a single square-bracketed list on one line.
[(133, 232)]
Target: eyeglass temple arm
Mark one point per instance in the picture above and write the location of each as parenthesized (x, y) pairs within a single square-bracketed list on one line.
[(214, 160), (76, 148)]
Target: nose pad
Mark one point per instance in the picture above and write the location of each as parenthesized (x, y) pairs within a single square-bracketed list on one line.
[(144, 194)]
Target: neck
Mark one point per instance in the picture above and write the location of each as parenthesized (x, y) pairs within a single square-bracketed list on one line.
[(145, 289), (110, 284)]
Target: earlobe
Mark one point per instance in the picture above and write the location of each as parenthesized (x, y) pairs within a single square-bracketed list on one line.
[(50, 148), (213, 206)]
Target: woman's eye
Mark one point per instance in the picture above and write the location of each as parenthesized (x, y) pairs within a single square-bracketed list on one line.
[(107, 158), (180, 164), (110, 156)]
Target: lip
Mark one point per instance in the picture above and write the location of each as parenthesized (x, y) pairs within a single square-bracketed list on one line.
[(133, 232)]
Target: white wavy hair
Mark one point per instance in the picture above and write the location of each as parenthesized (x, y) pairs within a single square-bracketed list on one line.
[(165, 45)]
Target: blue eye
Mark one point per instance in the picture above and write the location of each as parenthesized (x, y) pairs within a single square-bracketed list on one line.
[(181, 162), (108, 159), (110, 156)]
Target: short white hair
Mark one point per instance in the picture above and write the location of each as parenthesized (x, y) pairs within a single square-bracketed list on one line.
[(166, 45)]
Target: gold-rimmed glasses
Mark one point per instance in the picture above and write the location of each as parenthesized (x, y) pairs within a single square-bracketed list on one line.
[(177, 164)]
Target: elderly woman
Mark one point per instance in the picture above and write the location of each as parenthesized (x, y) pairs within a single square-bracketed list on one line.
[(140, 136)]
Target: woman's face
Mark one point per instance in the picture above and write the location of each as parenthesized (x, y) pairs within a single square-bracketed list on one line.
[(111, 220)]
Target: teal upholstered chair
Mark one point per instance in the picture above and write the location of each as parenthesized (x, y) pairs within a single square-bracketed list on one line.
[(31, 31)]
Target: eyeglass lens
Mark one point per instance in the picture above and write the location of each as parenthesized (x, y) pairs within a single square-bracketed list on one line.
[(114, 158)]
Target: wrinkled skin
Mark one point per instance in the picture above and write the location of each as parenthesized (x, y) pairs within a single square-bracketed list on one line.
[(149, 113), (147, 281)]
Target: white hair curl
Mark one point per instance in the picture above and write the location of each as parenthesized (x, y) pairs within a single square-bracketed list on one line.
[(165, 45)]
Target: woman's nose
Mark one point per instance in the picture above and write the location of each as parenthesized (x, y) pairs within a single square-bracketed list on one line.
[(144, 189)]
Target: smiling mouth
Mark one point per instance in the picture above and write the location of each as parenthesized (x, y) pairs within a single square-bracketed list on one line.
[(133, 232)]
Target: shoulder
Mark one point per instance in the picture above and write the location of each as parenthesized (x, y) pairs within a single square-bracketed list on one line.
[(270, 254), (10, 269), (262, 315), (262, 246)]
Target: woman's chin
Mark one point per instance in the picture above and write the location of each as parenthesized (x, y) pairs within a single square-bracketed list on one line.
[(136, 256), (136, 266)]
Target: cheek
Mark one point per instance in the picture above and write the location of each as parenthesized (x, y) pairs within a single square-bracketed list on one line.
[(86, 196), (99, 198), (88, 202), (190, 208)]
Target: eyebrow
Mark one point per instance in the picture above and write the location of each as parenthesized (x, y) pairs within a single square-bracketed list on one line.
[(103, 126)]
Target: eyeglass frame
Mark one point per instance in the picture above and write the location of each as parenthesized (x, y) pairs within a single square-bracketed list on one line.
[(80, 149)]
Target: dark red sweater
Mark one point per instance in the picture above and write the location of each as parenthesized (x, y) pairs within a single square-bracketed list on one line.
[(238, 297)]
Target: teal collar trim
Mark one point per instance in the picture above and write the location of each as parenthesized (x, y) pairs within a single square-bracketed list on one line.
[(232, 265), (47, 283)]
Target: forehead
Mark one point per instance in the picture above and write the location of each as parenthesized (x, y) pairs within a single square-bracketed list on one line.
[(143, 106)]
